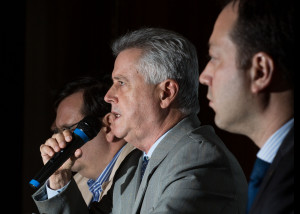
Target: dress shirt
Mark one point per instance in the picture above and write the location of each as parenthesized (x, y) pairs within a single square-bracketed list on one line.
[(153, 147), (270, 148), (94, 186), (147, 156)]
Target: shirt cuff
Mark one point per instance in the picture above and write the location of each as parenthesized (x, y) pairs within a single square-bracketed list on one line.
[(51, 193)]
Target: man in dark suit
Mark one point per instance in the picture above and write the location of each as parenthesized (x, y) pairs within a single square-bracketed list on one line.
[(184, 167), (250, 79)]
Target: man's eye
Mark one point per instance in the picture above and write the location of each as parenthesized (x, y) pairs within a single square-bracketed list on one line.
[(121, 83)]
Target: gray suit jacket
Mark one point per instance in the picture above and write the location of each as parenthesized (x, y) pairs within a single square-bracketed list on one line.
[(190, 171)]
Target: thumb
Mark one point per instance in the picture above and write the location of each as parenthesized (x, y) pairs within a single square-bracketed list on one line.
[(107, 120)]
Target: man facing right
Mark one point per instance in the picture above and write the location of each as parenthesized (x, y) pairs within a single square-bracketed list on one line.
[(251, 89)]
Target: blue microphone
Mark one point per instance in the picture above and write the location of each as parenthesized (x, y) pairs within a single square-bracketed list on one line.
[(87, 129)]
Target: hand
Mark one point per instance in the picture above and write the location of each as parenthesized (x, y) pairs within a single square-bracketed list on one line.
[(54, 144), (107, 120)]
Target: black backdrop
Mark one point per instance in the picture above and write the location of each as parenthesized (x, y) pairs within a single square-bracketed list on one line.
[(47, 43)]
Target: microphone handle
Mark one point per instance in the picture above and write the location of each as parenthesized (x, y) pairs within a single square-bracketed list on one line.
[(57, 161)]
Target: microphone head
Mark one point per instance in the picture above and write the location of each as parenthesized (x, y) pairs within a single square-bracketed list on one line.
[(90, 126)]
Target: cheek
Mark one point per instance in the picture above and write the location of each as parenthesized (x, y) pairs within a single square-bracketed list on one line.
[(226, 75), (143, 112), (226, 86), (231, 94)]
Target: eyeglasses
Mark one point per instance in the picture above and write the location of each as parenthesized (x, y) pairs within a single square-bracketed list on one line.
[(70, 128)]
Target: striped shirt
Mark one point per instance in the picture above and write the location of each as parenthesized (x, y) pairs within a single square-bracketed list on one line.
[(270, 148), (95, 186)]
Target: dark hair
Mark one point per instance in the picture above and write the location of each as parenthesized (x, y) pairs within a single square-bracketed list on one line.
[(93, 90), (267, 26)]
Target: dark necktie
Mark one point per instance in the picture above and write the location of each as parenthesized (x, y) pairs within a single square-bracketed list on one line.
[(259, 170), (144, 165)]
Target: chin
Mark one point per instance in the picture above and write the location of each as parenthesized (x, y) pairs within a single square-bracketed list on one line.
[(219, 123), (117, 131), (224, 125), (76, 167)]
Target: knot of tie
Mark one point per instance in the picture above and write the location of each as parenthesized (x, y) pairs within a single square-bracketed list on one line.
[(144, 165)]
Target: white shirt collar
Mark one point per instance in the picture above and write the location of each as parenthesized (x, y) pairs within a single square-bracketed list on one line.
[(153, 147), (270, 148)]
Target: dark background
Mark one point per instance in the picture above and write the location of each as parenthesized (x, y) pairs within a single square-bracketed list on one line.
[(44, 44)]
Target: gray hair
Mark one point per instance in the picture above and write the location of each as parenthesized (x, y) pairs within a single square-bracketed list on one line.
[(166, 55)]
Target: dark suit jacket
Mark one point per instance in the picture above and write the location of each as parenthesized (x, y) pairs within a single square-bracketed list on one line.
[(276, 194), (190, 171)]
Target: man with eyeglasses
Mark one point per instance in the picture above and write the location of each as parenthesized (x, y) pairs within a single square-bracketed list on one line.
[(98, 159)]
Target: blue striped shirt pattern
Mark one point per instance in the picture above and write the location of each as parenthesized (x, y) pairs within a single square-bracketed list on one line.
[(270, 148), (95, 186)]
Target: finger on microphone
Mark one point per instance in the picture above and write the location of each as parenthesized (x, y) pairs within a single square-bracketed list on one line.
[(86, 130), (53, 143), (47, 150), (60, 138), (67, 135)]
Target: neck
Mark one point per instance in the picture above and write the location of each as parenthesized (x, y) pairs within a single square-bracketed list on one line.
[(93, 167), (278, 111), (161, 127)]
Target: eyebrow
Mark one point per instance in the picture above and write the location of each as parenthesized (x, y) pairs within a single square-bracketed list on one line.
[(120, 77), (69, 126), (64, 126)]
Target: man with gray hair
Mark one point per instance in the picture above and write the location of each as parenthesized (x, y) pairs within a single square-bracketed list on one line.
[(185, 167)]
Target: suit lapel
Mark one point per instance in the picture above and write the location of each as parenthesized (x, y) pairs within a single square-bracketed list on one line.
[(160, 153), (140, 186), (107, 185), (83, 187)]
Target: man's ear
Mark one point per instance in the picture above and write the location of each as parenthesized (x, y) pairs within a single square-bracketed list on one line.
[(262, 71), (168, 91), (107, 119)]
